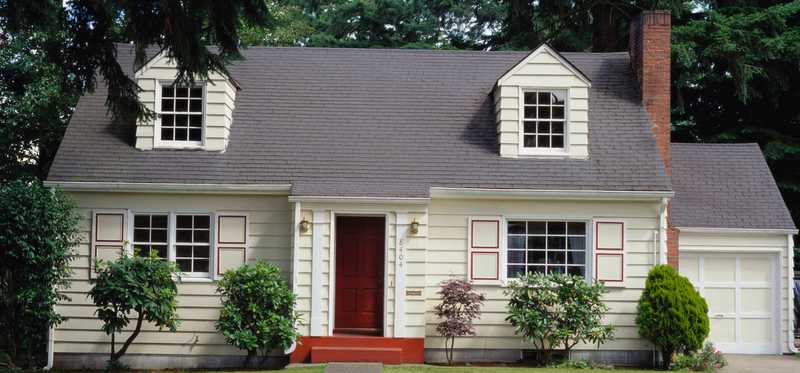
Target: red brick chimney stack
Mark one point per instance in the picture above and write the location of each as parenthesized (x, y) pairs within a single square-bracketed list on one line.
[(649, 48)]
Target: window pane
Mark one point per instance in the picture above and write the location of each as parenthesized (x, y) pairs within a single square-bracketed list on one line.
[(576, 243), (183, 251), (202, 221), (536, 243), (195, 134), (181, 121), (158, 235), (574, 228), (536, 269), (184, 221), (557, 141), (543, 141), (197, 92), (516, 256), (516, 242), (201, 252), (530, 141), (166, 91), (558, 112), (544, 112), (558, 127), (183, 236), (167, 134), (556, 227), (576, 257), (161, 251), (544, 98), (160, 221), (201, 236), (555, 269), (556, 243), (141, 221), (196, 106), (166, 105), (515, 271), (558, 97), (181, 92), (537, 227), (556, 257), (185, 265), (530, 112), (181, 105), (141, 235), (181, 134), (141, 250), (196, 121), (536, 257), (530, 98), (167, 120), (201, 265), (516, 227), (543, 127), (576, 271)]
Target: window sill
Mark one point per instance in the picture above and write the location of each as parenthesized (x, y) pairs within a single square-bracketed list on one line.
[(187, 279)]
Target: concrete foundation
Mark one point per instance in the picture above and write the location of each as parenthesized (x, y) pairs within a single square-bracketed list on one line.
[(87, 361), (612, 357)]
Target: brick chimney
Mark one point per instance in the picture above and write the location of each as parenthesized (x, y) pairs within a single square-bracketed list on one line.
[(649, 48)]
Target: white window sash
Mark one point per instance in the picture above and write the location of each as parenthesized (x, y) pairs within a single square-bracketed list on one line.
[(545, 152), (158, 143)]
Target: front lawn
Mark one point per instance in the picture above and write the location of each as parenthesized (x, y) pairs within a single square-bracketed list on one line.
[(472, 369)]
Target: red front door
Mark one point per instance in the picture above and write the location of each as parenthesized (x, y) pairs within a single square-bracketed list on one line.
[(359, 275)]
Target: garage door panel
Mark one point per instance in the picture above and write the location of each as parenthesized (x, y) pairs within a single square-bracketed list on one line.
[(722, 331), (720, 300), (719, 270), (756, 330), (690, 267), (755, 269), (757, 301)]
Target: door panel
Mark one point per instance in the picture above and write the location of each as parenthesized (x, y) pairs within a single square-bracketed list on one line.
[(359, 275)]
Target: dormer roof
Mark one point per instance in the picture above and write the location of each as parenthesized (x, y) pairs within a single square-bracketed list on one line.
[(544, 48)]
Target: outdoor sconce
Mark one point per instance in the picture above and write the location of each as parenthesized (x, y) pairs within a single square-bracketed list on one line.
[(304, 225), (414, 228)]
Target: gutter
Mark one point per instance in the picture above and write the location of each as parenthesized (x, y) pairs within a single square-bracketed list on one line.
[(50, 348), (81, 186), (480, 193), (736, 230), (790, 290), (367, 200)]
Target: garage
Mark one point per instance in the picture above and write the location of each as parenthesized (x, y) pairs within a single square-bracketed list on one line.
[(742, 295)]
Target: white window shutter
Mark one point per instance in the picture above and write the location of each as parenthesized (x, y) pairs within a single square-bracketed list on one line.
[(108, 241), (231, 240), (484, 242), (609, 253)]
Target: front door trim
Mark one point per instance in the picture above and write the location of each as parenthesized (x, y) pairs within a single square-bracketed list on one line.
[(332, 265)]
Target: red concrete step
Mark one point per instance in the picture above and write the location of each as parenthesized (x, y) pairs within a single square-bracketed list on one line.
[(328, 354)]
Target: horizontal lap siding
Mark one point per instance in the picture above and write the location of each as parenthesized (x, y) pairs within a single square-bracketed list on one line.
[(447, 258), (198, 304), (748, 243)]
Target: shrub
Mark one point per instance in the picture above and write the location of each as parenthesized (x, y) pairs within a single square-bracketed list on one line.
[(38, 231), (257, 309), (671, 314), (461, 304), (556, 310), (134, 284), (707, 359)]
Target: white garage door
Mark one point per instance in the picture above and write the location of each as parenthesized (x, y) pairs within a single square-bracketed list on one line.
[(741, 297)]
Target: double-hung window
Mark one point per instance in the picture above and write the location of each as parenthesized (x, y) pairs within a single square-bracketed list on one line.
[(180, 115), (543, 120), (180, 237), (546, 246)]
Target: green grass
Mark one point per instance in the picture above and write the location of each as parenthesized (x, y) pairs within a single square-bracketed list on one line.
[(471, 369)]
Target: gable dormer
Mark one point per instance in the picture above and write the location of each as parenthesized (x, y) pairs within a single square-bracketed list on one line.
[(541, 106), (196, 117)]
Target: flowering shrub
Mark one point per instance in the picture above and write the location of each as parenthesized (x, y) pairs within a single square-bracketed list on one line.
[(460, 305), (558, 311), (707, 359)]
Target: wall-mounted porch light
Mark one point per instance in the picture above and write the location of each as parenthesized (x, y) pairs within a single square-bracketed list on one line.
[(304, 225), (414, 228)]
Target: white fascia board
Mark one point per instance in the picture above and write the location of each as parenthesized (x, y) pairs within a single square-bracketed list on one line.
[(735, 230), (544, 48), (365, 200), (80, 186), (480, 193)]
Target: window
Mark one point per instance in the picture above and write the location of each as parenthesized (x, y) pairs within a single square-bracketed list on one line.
[(181, 114), (150, 235), (192, 243), (543, 119), (546, 247), (184, 238)]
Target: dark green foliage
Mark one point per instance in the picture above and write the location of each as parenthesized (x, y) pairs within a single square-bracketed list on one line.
[(555, 310), (709, 359), (672, 314), (257, 309), (134, 284), (38, 230)]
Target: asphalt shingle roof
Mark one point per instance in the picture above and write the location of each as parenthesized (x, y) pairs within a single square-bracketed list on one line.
[(375, 122), (725, 186)]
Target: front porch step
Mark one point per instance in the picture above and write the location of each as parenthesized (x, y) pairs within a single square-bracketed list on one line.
[(328, 354)]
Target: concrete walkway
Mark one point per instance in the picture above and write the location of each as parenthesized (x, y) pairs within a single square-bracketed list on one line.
[(762, 364)]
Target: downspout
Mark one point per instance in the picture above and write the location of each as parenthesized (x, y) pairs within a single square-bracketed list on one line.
[(50, 348), (662, 231), (790, 289)]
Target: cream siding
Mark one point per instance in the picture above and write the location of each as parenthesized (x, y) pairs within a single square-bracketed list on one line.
[(220, 97), (198, 305), (756, 243), (542, 69), (447, 258)]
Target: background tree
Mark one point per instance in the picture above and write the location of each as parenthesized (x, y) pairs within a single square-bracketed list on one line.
[(460, 305), (134, 284), (38, 230)]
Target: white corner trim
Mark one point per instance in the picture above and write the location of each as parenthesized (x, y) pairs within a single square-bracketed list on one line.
[(736, 230), (298, 216), (364, 200), (481, 193), (552, 52), (86, 186), (790, 292), (662, 231), (401, 238), (316, 273)]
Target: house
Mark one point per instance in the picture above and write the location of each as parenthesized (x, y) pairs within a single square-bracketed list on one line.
[(370, 175)]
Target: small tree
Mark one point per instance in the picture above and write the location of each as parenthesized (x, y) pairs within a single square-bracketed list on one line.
[(671, 314), (257, 309), (38, 231), (557, 310), (134, 284), (461, 304)]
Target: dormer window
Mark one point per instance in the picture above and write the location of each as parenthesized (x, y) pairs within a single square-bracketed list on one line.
[(180, 116), (543, 122)]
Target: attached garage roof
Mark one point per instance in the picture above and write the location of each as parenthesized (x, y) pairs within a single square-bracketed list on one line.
[(725, 186)]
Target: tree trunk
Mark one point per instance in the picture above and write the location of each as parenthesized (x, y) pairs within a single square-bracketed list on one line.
[(116, 355), (605, 37), (250, 355), (666, 359)]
